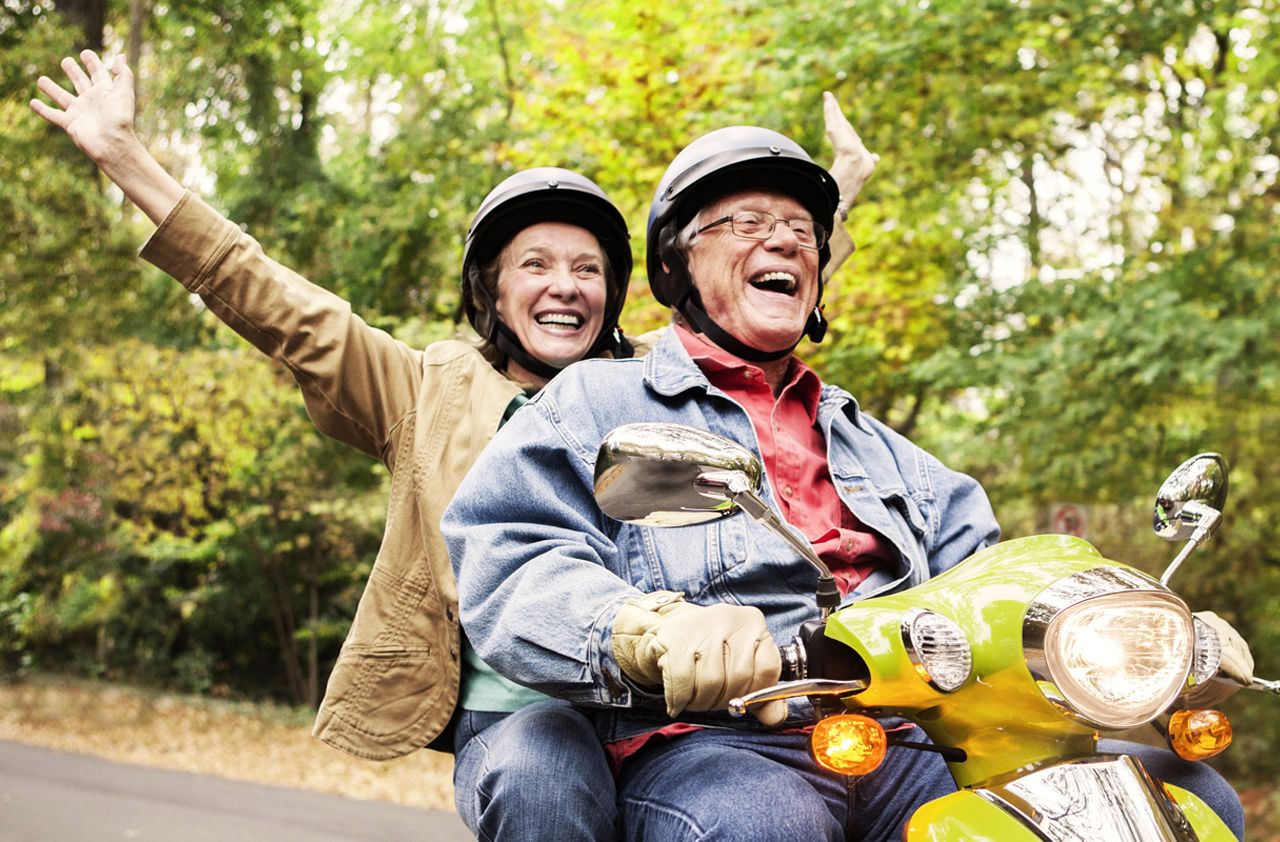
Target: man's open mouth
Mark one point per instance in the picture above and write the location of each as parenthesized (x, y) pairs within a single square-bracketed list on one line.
[(780, 282)]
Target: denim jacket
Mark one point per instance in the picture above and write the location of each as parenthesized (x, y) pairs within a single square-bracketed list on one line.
[(542, 571)]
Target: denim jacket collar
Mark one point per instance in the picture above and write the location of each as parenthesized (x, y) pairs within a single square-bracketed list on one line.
[(669, 370)]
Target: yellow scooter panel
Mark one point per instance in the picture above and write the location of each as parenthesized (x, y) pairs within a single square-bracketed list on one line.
[(1208, 826), (964, 816)]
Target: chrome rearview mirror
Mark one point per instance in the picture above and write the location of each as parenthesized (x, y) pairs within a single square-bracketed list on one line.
[(1197, 484), (673, 475), (670, 475), (1189, 504)]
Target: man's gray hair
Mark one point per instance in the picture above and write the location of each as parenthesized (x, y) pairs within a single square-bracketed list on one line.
[(687, 234)]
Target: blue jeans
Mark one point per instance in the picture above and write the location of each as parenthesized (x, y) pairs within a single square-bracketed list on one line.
[(1203, 780), (731, 785), (538, 773), (736, 785)]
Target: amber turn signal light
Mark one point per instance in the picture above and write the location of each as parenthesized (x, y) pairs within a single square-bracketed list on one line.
[(1198, 734), (849, 744)]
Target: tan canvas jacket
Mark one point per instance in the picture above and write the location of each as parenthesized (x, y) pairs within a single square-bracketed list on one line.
[(425, 414)]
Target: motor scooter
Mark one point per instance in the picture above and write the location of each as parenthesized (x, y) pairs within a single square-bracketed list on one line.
[(1013, 662)]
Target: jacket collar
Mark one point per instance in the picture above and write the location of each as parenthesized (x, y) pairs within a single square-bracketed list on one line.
[(669, 370)]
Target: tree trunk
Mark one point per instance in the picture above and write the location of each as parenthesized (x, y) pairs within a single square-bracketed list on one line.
[(137, 23), (91, 16), (510, 93), (1034, 221), (313, 656)]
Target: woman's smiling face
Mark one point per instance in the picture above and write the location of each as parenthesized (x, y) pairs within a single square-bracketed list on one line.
[(552, 293)]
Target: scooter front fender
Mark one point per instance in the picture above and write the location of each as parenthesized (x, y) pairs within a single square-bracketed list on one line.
[(1209, 827), (965, 815)]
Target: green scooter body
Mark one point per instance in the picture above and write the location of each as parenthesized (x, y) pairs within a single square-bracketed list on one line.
[(1002, 717)]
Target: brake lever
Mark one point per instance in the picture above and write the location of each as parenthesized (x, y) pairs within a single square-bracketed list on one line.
[(795, 689), (1264, 686)]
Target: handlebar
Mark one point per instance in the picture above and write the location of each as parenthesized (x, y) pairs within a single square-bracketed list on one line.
[(1264, 686)]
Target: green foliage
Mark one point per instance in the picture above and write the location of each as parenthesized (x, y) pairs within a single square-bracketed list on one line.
[(176, 509)]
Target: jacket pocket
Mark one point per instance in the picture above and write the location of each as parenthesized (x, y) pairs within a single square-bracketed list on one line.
[(384, 691), (913, 509)]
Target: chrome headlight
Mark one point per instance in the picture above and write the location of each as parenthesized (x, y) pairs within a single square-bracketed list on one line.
[(1115, 645)]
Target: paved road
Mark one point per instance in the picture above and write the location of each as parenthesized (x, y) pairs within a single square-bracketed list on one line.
[(51, 796)]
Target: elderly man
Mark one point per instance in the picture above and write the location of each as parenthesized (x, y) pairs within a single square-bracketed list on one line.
[(660, 628)]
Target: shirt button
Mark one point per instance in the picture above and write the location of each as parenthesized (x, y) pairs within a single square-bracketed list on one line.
[(788, 491), (848, 545)]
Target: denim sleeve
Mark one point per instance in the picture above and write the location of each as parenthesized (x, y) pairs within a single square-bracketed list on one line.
[(536, 562), (963, 520)]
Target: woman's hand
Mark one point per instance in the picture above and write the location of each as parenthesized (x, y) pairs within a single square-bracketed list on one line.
[(853, 164), (99, 116)]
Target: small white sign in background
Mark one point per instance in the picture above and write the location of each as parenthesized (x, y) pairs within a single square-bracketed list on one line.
[(1069, 519)]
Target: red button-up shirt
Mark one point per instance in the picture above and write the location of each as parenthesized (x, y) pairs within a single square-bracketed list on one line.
[(795, 458)]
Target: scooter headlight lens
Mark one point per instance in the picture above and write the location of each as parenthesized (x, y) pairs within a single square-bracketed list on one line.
[(1120, 659)]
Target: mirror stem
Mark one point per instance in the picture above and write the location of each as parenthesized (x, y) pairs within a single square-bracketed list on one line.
[(1261, 684), (828, 595), (1209, 518)]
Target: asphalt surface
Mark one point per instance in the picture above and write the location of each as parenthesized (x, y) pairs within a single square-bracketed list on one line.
[(52, 796)]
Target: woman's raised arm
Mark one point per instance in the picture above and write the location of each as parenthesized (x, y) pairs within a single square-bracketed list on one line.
[(853, 163), (98, 117), (852, 166)]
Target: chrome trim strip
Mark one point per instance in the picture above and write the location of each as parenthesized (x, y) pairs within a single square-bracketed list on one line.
[(1108, 797)]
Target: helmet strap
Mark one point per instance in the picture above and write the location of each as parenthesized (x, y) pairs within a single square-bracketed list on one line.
[(507, 343), (815, 327), (613, 341), (691, 308), (504, 339)]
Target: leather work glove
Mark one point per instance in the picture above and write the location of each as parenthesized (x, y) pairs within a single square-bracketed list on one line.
[(1236, 666), (701, 655)]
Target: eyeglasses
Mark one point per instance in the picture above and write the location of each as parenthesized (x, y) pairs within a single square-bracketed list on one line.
[(759, 225)]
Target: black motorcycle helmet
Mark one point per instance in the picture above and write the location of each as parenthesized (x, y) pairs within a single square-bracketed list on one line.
[(726, 161), (544, 194)]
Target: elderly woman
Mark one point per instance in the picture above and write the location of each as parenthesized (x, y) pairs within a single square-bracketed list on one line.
[(544, 275)]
